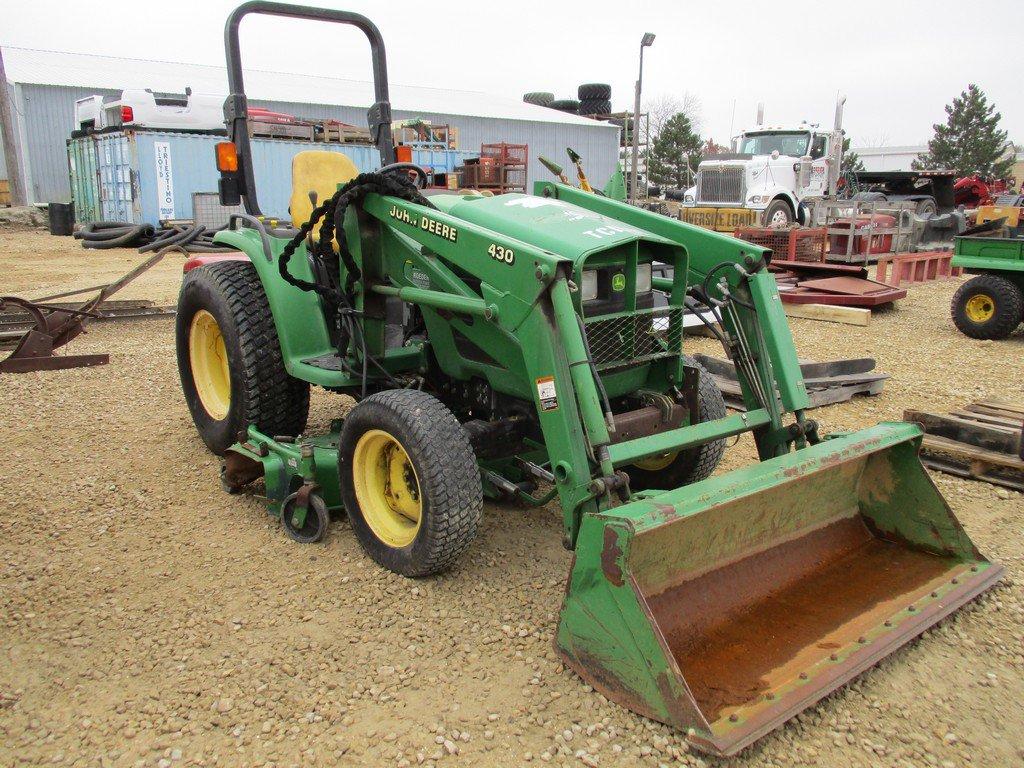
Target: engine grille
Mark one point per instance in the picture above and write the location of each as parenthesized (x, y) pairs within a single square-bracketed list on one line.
[(720, 185), (635, 337)]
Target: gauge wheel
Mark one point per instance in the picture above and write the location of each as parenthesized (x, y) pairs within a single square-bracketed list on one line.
[(778, 215), (410, 482), (678, 468), (309, 528), (229, 357), (988, 307)]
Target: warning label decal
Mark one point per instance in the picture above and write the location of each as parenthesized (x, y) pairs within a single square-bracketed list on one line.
[(546, 393)]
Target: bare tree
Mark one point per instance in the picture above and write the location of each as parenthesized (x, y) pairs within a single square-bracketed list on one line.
[(662, 108)]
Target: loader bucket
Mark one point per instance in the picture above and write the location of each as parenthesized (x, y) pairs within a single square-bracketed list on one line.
[(726, 607)]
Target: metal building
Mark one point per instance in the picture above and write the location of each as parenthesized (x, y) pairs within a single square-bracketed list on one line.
[(45, 84)]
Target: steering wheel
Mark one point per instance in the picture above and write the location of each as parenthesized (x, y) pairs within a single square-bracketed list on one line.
[(411, 169)]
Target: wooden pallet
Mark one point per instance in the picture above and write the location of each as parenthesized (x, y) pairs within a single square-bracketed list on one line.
[(835, 381), (981, 441), (341, 133)]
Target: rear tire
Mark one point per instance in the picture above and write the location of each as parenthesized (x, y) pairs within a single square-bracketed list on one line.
[(226, 340), (689, 466), (410, 482), (988, 307)]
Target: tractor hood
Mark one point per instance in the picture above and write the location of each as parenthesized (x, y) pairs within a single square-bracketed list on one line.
[(553, 225)]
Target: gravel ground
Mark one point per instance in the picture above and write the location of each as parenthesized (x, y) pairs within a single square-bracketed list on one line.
[(147, 618)]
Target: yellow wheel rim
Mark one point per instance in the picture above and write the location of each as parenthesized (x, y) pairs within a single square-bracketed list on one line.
[(209, 361), (387, 489), (656, 463), (980, 308)]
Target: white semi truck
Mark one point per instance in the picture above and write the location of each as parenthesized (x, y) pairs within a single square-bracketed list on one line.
[(768, 178)]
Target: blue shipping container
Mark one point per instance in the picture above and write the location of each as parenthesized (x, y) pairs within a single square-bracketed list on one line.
[(146, 177)]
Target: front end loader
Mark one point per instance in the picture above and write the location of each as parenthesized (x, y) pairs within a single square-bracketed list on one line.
[(522, 347)]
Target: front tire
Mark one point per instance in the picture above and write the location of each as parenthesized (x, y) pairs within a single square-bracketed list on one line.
[(778, 215), (229, 357), (988, 307), (410, 482), (673, 470)]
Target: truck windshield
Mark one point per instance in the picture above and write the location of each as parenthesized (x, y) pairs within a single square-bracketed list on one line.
[(792, 144)]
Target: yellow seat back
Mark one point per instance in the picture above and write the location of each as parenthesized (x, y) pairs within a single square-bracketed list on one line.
[(993, 212), (318, 172)]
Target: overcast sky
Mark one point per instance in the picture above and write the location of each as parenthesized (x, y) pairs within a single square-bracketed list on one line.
[(898, 61)]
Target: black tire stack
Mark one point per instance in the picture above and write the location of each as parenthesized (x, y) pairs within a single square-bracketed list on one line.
[(594, 99)]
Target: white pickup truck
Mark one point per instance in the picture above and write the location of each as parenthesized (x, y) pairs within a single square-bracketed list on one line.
[(144, 109), (772, 171)]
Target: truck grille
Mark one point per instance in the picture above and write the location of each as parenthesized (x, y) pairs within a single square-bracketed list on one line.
[(627, 338), (720, 185)]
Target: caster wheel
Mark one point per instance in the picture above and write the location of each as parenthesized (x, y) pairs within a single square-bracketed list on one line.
[(314, 527)]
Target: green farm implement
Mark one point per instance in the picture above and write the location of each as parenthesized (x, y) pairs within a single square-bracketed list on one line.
[(523, 347)]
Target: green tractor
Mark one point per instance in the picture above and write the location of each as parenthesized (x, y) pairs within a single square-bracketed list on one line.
[(991, 304), (521, 347)]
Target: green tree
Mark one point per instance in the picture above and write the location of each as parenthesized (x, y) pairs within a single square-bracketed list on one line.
[(676, 152), (970, 141), (851, 160)]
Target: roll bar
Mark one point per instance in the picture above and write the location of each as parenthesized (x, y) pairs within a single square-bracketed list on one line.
[(236, 110)]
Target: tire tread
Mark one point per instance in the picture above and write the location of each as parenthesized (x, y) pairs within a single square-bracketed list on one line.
[(277, 403)]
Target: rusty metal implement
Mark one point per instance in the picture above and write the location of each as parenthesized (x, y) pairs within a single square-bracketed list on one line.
[(54, 326), (726, 607)]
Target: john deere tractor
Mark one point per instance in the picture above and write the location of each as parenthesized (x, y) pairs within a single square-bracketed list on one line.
[(518, 347)]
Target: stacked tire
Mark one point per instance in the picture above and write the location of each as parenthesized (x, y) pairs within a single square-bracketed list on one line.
[(594, 99), (540, 98), (570, 106)]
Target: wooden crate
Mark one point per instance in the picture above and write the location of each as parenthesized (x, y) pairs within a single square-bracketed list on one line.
[(341, 133), (981, 441)]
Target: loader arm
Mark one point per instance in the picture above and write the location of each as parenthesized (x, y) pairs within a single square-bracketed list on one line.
[(758, 315)]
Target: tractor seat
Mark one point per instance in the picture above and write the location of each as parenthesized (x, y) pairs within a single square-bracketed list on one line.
[(316, 175)]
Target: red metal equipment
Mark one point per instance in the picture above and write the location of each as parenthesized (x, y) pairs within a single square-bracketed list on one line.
[(974, 191), (865, 241), (917, 267), (839, 284), (793, 244)]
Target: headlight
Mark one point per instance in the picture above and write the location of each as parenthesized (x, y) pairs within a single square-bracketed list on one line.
[(589, 284), (687, 198), (643, 278)]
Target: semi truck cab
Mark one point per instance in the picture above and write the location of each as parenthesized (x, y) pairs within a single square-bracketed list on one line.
[(763, 182)]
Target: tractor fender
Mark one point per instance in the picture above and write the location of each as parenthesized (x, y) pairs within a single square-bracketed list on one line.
[(201, 260), (298, 316)]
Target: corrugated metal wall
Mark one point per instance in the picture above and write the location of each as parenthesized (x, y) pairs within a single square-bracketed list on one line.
[(3, 160), (48, 113), (49, 116), (598, 144)]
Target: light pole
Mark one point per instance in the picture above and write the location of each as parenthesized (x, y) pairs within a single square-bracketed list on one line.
[(645, 42)]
